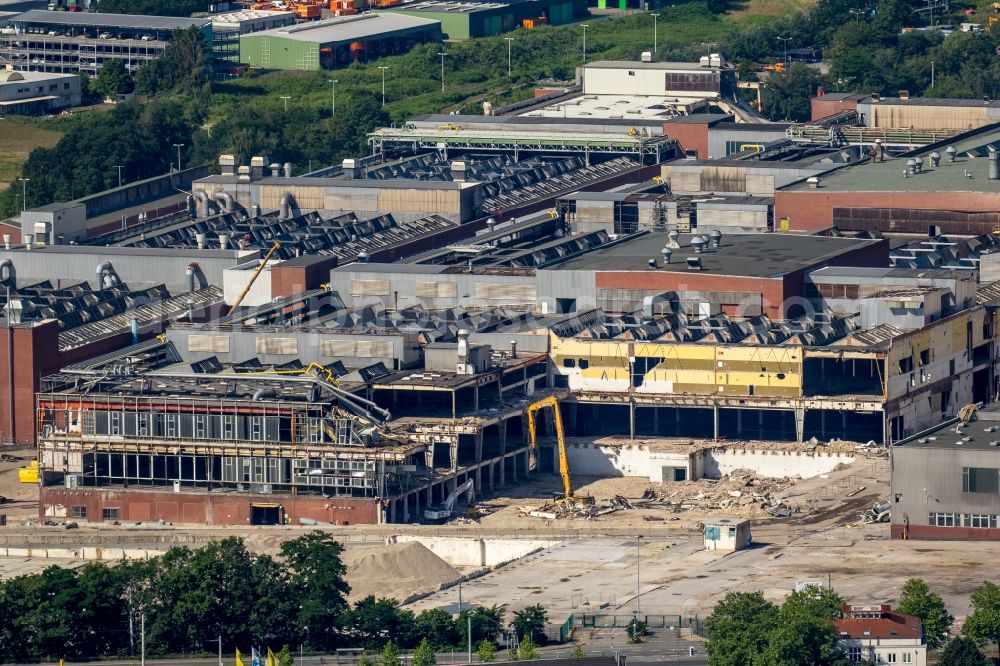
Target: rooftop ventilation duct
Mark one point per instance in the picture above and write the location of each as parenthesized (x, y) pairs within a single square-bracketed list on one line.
[(813, 182), (951, 153), (257, 167), (667, 254), (288, 169), (935, 159), (994, 158), (716, 237), (694, 263), (652, 264), (227, 165)]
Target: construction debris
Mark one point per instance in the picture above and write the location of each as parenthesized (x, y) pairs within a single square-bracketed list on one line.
[(741, 493), (880, 512)]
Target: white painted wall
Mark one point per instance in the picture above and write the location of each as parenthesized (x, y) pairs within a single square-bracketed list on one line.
[(773, 464), (638, 460)]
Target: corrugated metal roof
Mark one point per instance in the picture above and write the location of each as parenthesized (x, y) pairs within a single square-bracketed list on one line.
[(348, 29), (109, 20)]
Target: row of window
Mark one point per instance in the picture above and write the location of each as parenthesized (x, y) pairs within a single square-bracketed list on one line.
[(856, 656), (980, 520), (106, 514)]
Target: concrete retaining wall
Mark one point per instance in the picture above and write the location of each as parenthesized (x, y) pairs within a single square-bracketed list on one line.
[(457, 551), (83, 553)]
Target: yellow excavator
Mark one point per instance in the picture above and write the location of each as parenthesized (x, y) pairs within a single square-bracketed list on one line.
[(553, 402)]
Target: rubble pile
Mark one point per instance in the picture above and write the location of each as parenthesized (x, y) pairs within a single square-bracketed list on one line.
[(741, 493)]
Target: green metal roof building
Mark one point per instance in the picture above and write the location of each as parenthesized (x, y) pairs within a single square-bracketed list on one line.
[(467, 19), (336, 42)]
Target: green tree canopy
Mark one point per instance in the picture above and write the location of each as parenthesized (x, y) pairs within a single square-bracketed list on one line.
[(424, 654), (983, 624), (787, 93), (487, 651), (961, 651), (113, 79), (739, 627), (530, 621), (918, 600), (317, 582)]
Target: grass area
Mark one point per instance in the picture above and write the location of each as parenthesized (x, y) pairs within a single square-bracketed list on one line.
[(477, 69), (772, 8), (18, 137)]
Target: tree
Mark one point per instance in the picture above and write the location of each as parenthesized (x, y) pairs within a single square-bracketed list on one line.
[(390, 655), (375, 621), (577, 653), (438, 627), (918, 600), (285, 657), (424, 654), (787, 93), (317, 583), (486, 623), (960, 651), (113, 79), (804, 633), (487, 651), (183, 67), (530, 621), (526, 649), (738, 628), (363, 660), (983, 624)]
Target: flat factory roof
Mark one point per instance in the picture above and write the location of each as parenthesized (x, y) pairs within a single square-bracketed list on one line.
[(932, 101), (980, 435), (665, 66), (348, 28), (632, 107), (110, 20), (744, 255), (452, 6), (968, 173)]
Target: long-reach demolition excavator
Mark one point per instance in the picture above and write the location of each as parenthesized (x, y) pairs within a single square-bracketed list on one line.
[(567, 496)]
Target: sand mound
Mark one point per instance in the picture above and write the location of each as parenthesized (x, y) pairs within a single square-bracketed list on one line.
[(396, 571)]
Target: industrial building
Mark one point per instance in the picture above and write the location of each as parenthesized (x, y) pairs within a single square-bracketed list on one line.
[(251, 20), (945, 482), (70, 42), (147, 434), (336, 42), (919, 114), (466, 19), (950, 185), (30, 93)]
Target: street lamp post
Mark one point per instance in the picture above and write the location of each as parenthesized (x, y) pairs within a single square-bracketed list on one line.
[(584, 26), (655, 16), (178, 146), (285, 98), (333, 98), (119, 167), (638, 542), (784, 41), (442, 54), (510, 40), (383, 68), (24, 193)]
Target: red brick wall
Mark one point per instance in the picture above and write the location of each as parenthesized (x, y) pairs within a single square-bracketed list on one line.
[(689, 136), (287, 280), (35, 354), (205, 508), (810, 210), (946, 533), (770, 289), (823, 107)]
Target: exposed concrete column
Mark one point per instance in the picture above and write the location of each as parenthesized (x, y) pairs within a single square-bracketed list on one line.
[(453, 453), (822, 423), (800, 423), (392, 511), (454, 413), (416, 504), (430, 495), (503, 436), (491, 475), (739, 421), (656, 421), (479, 479), (429, 453), (524, 457), (479, 446), (631, 419), (503, 471), (475, 398), (715, 422)]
